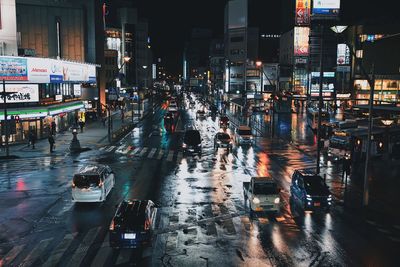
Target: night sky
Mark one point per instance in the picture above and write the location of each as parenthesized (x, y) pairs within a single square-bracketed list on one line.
[(171, 21)]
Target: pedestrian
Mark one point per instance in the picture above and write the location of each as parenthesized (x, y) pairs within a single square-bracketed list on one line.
[(103, 120), (53, 127), (32, 139), (76, 120), (51, 142), (346, 166), (81, 124)]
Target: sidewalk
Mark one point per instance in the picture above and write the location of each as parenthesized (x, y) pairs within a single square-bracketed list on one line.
[(94, 135)]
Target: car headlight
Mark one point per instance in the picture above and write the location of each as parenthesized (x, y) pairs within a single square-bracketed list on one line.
[(199, 145), (330, 198), (218, 142), (277, 200), (308, 197), (184, 145), (256, 200)]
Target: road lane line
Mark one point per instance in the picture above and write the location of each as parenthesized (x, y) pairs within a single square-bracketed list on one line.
[(81, 251), (170, 155), (144, 150), (152, 152), (102, 254), (57, 253), (160, 154), (10, 256), (35, 252)]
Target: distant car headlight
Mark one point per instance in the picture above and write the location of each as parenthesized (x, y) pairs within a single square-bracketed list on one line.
[(277, 200), (218, 142), (308, 197), (330, 198), (256, 200), (184, 145)]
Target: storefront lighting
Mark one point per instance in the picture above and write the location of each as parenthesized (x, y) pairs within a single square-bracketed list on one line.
[(338, 29), (387, 122)]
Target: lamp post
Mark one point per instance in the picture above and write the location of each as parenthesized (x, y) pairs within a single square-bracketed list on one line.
[(126, 59), (5, 125)]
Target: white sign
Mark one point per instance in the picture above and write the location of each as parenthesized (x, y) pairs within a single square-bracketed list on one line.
[(21, 93), (58, 97), (46, 70), (326, 7), (77, 89), (343, 54)]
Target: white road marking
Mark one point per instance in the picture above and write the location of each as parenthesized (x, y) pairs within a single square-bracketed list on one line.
[(144, 150), (10, 256), (35, 252), (160, 154), (136, 150), (81, 251), (102, 254), (109, 149), (57, 253), (152, 152), (170, 155)]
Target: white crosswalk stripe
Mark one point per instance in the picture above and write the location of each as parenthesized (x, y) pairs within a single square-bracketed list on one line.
[(109, 149), (57, 253), (102, 254), (144, 150), (10, 256), (170, 155), (81, 251), (160, 154), (135, 151), (36, 252), (152, 152), (180, 156)]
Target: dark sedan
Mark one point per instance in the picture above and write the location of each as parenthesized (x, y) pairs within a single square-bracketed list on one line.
[(133, 224)]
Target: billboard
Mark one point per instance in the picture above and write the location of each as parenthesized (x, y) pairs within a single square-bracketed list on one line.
[(343, 54), (237, 14), (21, 93), (13, 69), (326, 7), (302, 17), (301, 35), (45, 70)]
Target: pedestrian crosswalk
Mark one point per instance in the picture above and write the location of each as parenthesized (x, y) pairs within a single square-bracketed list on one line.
[(144, 152)]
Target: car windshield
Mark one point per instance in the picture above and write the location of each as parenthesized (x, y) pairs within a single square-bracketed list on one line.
[(223, 136), (192, 137), (244, 132), (265, 189), (85, 181), (314, 183)]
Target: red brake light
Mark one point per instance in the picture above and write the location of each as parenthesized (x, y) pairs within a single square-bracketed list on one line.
[(112, 226), (73, 185)]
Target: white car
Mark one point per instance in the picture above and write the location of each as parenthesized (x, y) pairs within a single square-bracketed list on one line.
[(243, 136), (92, 183)]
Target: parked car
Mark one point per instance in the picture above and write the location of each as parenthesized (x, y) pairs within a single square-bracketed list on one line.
[(200, 114), (263, 194), (223, 140), (309, 191), (92, 183), (133, 224), (192, 142), (243, 136)]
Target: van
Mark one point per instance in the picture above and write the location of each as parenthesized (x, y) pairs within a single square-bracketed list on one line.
[(92, 183)]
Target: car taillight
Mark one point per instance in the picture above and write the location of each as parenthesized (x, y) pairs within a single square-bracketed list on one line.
[(100, 184), (112, 226)]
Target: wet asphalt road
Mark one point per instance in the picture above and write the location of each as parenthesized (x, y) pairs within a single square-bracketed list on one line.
[(202, 218)]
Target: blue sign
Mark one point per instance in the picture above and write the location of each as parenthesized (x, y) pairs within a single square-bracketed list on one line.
[(54, 78)]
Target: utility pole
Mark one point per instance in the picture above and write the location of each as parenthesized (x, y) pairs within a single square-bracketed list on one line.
[(320, 100), (368, 151)]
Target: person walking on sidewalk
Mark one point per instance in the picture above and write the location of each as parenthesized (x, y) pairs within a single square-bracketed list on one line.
[(51, 143), (81, 124), (32, 139), (53, 128), (103, 120), (346, 166)]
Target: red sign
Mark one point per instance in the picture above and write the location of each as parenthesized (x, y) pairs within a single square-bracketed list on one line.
[(302, 17)]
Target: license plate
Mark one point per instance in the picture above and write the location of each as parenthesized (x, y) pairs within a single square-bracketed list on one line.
[(129, 236), (317, 204)]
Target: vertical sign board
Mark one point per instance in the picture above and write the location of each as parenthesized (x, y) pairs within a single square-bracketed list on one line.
[(301, 35), (343, 54), (302, 17), (326, 8)]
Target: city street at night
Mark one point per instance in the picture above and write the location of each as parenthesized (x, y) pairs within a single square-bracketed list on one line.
[(199, 133)]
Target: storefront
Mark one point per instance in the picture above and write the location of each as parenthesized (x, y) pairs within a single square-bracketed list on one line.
[(44, 93), (386, 90)]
